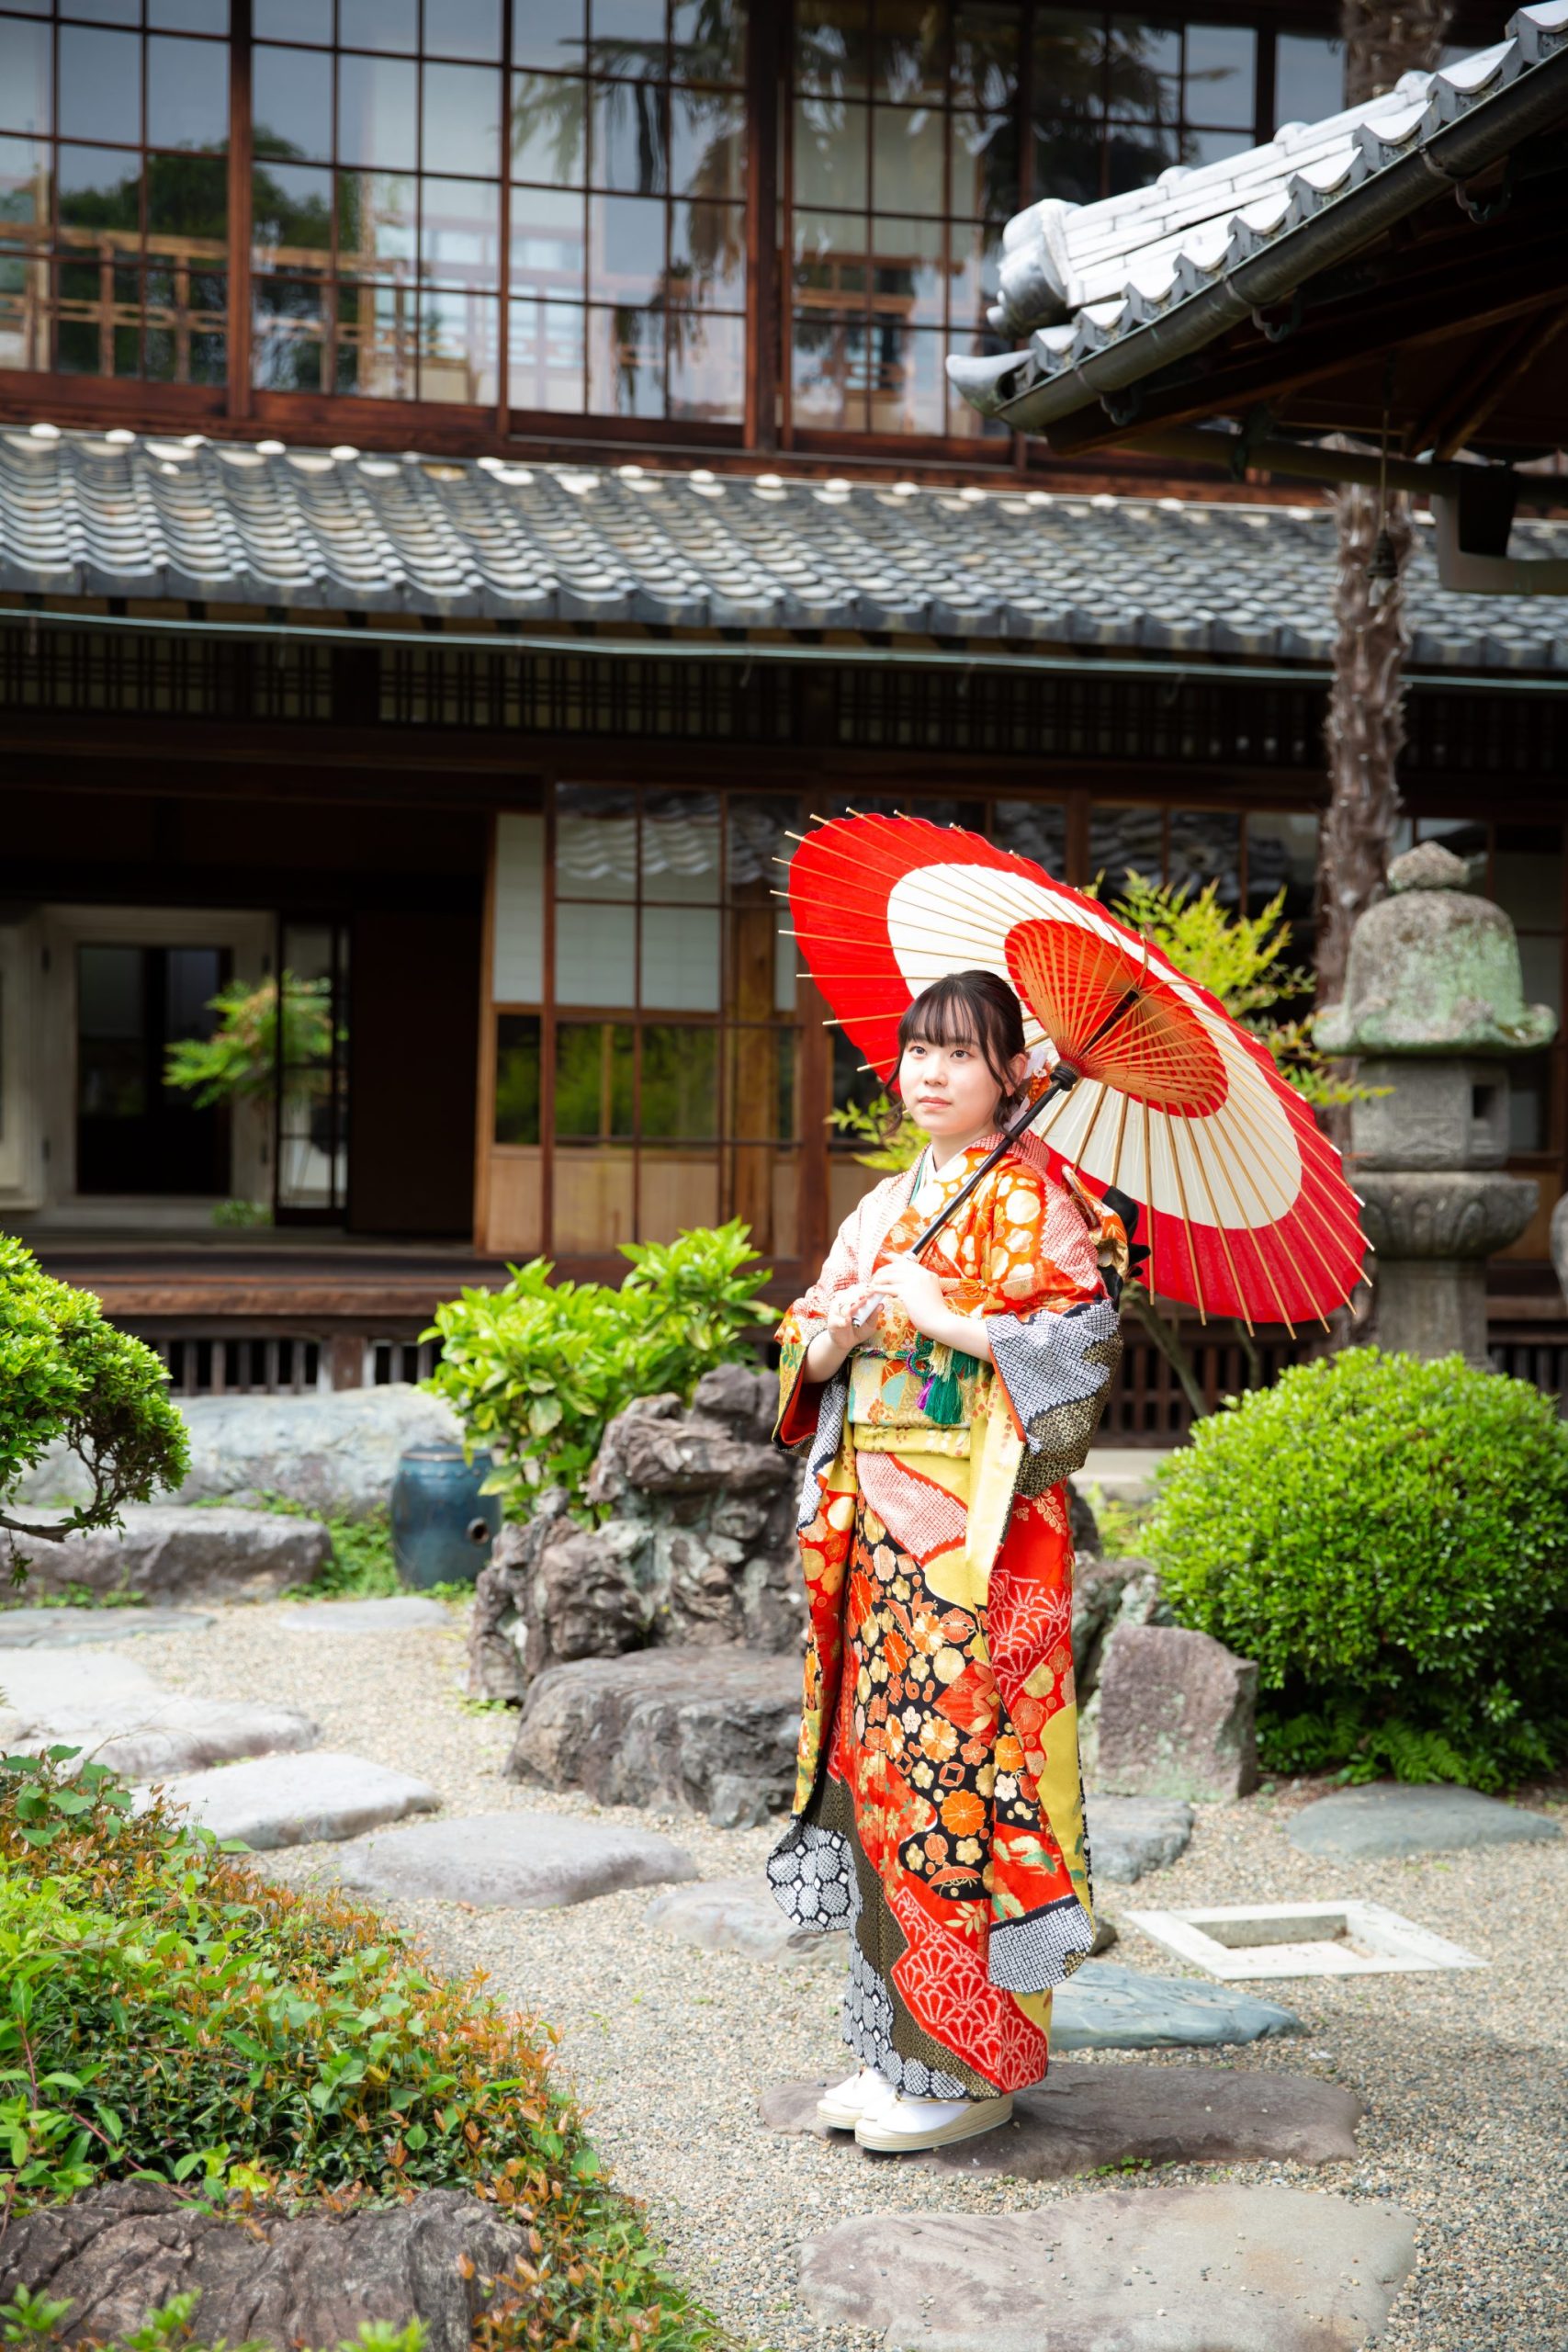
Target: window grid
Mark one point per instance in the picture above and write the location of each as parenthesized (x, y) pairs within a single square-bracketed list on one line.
[(114, 230), (377, 220), (688, 1107)]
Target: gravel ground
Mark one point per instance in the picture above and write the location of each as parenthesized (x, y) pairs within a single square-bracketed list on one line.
[(1463, 2075)]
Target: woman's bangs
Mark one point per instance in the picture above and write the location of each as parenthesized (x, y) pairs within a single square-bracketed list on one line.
[(941, 1015)]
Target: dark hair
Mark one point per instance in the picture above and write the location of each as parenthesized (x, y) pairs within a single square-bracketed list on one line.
[(969, 1008)]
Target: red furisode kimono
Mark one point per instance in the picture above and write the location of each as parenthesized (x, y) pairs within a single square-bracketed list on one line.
[(939, 1808)]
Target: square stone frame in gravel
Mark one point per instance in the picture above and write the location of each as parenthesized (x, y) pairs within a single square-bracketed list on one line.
[(1238, 1940)]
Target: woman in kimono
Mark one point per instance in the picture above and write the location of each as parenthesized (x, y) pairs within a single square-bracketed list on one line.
[(943, 1400)]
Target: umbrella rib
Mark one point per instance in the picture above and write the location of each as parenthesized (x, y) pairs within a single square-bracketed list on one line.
[(1149, 1193), (1220, 1229), (1305, 1197), (1225, 1175), (1186, 1218), (1307, 1205)]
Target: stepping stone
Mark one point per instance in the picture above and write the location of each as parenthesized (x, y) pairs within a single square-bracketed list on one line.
[(392, 1615), (52, 1629), (1082, 2118), (1390, 1820), (1128, 1836), (1104, 2006), (1146, 2270), (740, 1914), (174, 1734), (34, 1684), (110, 1708), (298, 1800), (520, 1861)]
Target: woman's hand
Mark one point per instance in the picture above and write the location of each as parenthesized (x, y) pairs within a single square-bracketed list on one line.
[(832, 1347), (905, 1283)]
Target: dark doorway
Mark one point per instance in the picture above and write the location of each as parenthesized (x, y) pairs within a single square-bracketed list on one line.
[(134, 1133), (416, 980)]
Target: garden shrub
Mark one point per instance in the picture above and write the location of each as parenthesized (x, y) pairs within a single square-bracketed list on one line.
[(537, 1369), (1389, 1540), (168, 2013), (68, 1377)]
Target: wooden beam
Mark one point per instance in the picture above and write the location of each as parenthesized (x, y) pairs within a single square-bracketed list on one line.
[(1477, 400)]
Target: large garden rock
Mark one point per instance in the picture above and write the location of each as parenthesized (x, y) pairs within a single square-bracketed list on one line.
[(713, 1729), (334, 1450), (273, 1800), (1218, 2269), (1176, 1716), (522, 1861), (117, 2252), (1081, 2118), (170, 1552), (1388, 1820), (698, 1547)]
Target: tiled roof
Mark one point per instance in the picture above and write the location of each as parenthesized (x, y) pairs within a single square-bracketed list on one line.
[(1108, 292), (229, 525)]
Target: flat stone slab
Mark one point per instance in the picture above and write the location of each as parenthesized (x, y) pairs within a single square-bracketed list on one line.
[(173, 1734), (520, 1861), (740, 1914), (393, 1614), (1128, 1836), (1123, 2271), (35, 1683), (1083, 2117), (110, 1707), (274, 1800), (174, 1553), (1390, 1819), (1104, 2006), (60, 1629)]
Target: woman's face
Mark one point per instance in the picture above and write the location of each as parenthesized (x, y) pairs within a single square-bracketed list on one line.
[(948, 1090)]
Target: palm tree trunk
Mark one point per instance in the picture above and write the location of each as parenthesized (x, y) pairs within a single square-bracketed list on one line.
[(1383, 38)]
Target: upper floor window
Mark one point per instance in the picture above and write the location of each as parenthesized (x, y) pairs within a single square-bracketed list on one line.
[(114, 209), (541, 210)]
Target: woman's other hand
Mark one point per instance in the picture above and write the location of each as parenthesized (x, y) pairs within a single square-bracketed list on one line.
[(905, 1283)]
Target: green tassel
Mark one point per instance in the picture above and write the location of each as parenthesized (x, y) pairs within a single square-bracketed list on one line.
[(943, 1400)]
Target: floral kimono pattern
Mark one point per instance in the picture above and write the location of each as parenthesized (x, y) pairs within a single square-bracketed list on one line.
[(939, 1809)]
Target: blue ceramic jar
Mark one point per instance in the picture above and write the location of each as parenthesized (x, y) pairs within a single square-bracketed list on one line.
[(441, 1525)]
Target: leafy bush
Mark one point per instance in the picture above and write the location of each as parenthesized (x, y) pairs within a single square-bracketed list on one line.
[(29, 2319), (1389, 1540), (537, 1369), (170, 2014), (66, 1376)]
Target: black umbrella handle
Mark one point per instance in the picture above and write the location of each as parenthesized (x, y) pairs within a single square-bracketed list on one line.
[(1063, 1080)]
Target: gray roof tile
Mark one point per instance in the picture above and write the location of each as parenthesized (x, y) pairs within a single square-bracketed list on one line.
[(226, 525)]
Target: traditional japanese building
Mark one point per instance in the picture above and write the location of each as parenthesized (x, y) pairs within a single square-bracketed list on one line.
[(471, 484)]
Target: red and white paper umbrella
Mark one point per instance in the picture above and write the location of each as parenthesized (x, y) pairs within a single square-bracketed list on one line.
[(1166, 1097)]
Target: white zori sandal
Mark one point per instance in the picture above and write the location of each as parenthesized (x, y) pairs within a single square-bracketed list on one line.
[(905, 2126), (844, 2105)]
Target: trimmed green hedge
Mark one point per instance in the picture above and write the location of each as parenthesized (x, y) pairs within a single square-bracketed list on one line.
[(1389, 1540)]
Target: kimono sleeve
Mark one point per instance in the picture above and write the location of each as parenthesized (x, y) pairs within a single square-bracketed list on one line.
[(1057, 1350)]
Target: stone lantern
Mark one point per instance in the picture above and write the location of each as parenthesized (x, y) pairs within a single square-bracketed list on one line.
[(1433, 1008)]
